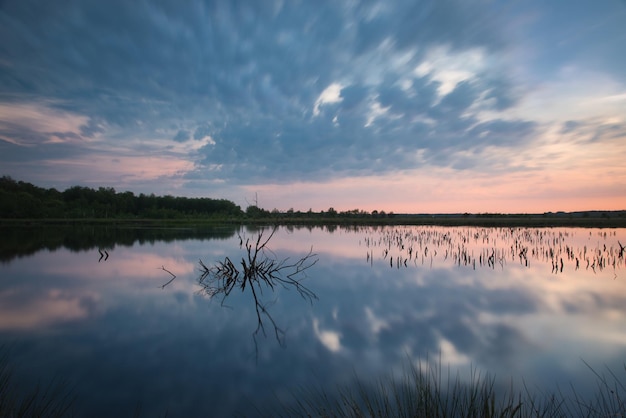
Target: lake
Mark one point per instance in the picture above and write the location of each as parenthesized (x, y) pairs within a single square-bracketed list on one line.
[(124, 317)]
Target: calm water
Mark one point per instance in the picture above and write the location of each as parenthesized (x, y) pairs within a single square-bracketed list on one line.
[(520, 303)]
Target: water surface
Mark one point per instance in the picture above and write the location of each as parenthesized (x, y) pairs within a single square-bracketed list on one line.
[(520, 303)]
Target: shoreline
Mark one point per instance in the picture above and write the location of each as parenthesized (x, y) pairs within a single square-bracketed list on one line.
[(534, 220)]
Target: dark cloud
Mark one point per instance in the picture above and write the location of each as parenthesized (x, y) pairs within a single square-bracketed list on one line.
[(20, 154), (248, 74), (182, 136), (91, 128), (503, 132), (459, 99), (353, 97), (21, 134), (426, 22), (502, 91), (591, 35), (202, 131), (414, 102), (593, 131), (570, 126)]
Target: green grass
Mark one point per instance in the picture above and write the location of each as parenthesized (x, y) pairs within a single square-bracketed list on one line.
[(592, 219), (53, 400), (428, 391), (431, 393)]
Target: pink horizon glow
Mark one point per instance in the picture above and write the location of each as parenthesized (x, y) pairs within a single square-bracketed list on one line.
[(522, 114)]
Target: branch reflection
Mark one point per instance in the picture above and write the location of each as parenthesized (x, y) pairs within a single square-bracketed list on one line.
[(258, 270)]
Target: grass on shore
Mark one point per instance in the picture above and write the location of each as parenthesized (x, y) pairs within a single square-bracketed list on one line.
[(422, 391), (472, 221), (426, 392), (610, 219), (53, 400)]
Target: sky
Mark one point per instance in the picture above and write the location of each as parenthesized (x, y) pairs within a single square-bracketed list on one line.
[(406, 106)]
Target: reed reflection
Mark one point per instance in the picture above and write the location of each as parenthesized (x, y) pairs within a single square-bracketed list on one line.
[(560, 249)]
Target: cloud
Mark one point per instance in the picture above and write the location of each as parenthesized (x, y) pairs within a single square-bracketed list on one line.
[(203, 133), (329, 339), (182, 136), (276, 92), (450, 69), (31, 123), (331, 94), (245, 80)]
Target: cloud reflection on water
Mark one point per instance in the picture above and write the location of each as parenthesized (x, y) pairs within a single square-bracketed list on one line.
[(111, 324), (504, 319)]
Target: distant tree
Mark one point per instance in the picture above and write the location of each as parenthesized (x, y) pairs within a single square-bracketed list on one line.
[(253, 211), (24, 200)]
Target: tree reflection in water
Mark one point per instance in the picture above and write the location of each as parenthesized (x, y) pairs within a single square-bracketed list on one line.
[(258, 269)]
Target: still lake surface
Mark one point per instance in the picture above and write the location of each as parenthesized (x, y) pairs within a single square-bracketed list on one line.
[(527, 304)]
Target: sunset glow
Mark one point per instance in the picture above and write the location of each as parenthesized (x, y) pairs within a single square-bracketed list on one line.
[(427, 107)]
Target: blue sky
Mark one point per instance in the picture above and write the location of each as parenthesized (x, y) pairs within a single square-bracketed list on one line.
[(404, 106)]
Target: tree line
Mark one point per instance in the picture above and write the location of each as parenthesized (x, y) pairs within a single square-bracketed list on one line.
[(19, 199), (23, 200)]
